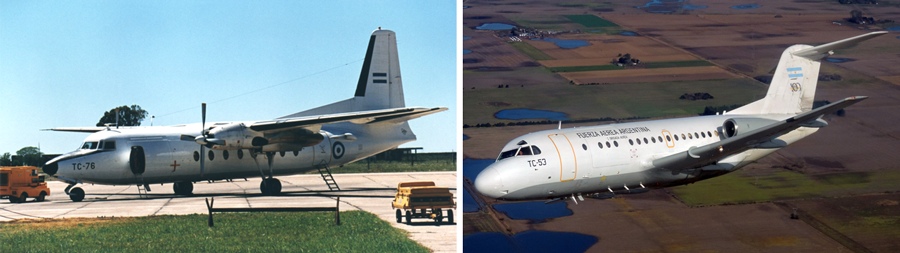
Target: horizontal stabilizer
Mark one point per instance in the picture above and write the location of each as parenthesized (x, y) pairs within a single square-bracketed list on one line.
[(314, 123), (77, 129), (821, 51), (399, 118), (709, 154)]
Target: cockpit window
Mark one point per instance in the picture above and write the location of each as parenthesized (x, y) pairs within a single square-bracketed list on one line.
[(527, 150), (109, 145), (90, 145)]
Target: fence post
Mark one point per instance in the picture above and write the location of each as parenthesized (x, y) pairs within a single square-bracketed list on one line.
[(337, 212), (209, 205)]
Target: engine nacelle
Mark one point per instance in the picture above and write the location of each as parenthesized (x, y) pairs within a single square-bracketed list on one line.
[(734, 126), (235, 136)]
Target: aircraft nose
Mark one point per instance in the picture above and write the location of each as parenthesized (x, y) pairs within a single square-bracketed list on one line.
[(489, 183), (51, 168)]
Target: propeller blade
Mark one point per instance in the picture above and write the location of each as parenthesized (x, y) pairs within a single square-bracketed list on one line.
[(203, 124), (202, 159), (185, 137)]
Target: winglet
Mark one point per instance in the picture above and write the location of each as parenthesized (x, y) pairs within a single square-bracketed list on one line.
[(821, 51)]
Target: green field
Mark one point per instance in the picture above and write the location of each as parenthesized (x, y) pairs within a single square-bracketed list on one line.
[(544, 22), (739, 188), (531, 51), (425, 162), (586, 68), (246, 232), (590, 21), (677, 64), (657, 99)]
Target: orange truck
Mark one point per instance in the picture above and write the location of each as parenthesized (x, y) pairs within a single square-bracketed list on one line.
[(422, 196), (19, 183)]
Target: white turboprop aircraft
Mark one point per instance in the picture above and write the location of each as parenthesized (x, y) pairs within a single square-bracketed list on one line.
[(564, 163), (374, 120)]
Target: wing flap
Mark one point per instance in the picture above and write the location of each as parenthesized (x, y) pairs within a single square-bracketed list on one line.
[(705, 155)]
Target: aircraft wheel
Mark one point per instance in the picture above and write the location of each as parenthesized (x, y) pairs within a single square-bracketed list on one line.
[(42, 197), (183, 188), (408, 217), (399, 216), (270, 186), (450, 216), (76, 194)]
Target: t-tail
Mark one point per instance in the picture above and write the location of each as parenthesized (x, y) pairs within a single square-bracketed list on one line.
[(793, 87), (380, 85)]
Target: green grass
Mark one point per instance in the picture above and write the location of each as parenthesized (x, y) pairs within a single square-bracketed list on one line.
[(247, 232), (739, 188), (582, 5), (658, 99), (590, 21), (423, 164), (586, 68), (677, 64), (531, 51)]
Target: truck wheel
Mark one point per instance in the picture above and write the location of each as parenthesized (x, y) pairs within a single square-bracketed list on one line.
[(76, 194), (23, 198), (450, 216), (42, 197), (408, 217), (13, 199), (439, 216), (399, 216)]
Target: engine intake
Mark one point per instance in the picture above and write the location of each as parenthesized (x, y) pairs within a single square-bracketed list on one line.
[(734, 126)]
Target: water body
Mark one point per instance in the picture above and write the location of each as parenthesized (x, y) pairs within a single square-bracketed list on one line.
[(471, 168), (495, 26), (530, 114), (528, 241), (466, 38), (465, 137), (693, 7), (567, 44), (658, 3), (536, 211), (466, 51), (894, 29), (628, 33), (838, 60), (746, 6)]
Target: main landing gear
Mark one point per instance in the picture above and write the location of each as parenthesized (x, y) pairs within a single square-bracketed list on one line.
[(269, 186), (183, 188)]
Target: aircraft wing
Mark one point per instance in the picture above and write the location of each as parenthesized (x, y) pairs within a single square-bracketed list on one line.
[(314, 123), (77, 129), (696, 157)]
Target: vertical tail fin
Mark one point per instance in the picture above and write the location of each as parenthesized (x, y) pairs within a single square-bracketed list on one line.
[(793, 88), (380, 85)]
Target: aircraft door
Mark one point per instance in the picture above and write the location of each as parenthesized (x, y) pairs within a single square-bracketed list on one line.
[(323, 151), (567, 163)]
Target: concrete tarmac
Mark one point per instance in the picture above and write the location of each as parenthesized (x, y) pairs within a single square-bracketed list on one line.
[(372, 192)]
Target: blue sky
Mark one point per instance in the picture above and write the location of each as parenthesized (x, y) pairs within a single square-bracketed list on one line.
[(63, 63)]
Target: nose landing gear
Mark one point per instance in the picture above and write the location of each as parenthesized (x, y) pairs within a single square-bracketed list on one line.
[(75, 194)]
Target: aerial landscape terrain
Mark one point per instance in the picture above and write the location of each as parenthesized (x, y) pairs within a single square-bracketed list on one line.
[(529, 65)]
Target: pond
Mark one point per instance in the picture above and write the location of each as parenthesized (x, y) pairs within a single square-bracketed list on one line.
[(567, 44), (471, 168), (467, 38), (693, 7), (746, 6), (530, 114), (528, 241), (838, 60), (628, 33), (536, 211), (465, 51), (658, 3), (465, 137), (495, 26)]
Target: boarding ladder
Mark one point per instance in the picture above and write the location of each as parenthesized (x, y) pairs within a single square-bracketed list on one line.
[(143, 189), (326, 175)]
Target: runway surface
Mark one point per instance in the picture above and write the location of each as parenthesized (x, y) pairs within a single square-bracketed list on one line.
[(368, 192)]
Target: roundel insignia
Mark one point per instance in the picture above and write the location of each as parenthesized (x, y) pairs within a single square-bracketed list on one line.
[(337, 150)]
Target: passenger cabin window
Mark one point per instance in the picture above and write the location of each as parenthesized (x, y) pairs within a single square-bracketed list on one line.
[(600, 144), (667, 138), (608, 146), (90, 145), (702, 134), (631, 142), (708, 134), (616, 143), (676, 137), (645, 140)]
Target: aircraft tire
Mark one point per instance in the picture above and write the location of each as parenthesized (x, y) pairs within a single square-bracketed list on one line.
[(76, 194), (263, 188), (183, 188), (42, 197), (270, 187), (408, 218), (449, 216), (399, 216)]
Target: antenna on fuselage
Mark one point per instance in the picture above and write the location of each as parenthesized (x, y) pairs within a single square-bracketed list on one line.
[(560, 125), (117, 118)]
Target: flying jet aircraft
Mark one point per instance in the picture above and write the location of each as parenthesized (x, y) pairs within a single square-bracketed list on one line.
[(372, 121), (565, 163)]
